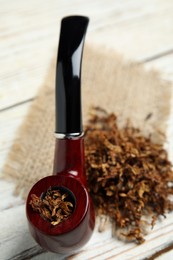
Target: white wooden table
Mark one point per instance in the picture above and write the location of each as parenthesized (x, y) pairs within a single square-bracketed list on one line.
[(29, 30)]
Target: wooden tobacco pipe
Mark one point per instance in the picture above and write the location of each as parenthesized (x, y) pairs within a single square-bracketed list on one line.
[(68, 174)]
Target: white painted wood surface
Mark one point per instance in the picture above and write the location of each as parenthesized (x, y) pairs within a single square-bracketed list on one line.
[(140, 30)]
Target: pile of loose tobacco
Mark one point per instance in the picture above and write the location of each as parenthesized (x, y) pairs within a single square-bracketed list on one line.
[(129, 176)]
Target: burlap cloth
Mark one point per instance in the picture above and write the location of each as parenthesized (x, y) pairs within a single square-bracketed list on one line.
[(109, 81)]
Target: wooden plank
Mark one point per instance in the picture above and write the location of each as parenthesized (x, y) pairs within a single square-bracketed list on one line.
[(15, 238), (27, 45), (10, 121), (165, 255), (16, 242), (139, 38), (164, 65), (7, 200)]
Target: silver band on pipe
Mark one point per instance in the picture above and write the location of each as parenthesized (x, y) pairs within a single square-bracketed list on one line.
[(68, 136)]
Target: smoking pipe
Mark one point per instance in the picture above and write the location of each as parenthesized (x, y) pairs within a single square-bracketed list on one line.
[(68, 171)]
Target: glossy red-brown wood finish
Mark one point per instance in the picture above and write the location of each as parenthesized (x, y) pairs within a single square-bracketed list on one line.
[(73, 233), (69, 158)]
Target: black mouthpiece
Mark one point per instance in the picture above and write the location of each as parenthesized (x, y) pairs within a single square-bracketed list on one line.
[(68, 75)]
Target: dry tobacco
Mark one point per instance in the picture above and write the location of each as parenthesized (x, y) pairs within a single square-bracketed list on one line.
[(53, 207), (129, 176)]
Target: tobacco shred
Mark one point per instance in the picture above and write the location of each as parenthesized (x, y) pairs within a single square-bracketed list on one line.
[(53, 207), (130, 177)]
